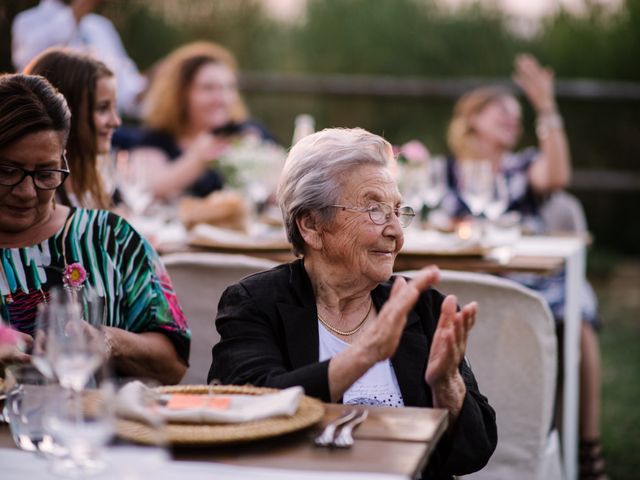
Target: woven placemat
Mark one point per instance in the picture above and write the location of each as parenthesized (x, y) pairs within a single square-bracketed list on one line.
[(310, 411)]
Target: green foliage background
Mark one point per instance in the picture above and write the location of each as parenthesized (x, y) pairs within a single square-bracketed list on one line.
[(417, 38)]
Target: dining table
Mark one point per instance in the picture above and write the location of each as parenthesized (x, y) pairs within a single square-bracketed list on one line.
[(542, 255), (391, 444)]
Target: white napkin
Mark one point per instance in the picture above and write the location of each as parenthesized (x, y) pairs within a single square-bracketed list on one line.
[(130, 404)]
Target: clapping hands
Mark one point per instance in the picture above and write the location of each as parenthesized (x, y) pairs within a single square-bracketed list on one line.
[(449, 343)]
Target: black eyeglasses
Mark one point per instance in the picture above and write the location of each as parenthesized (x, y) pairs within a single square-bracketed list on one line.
[(380, 213), (43, 178)]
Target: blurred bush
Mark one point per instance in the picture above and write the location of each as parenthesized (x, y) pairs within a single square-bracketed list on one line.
[(410, 38)]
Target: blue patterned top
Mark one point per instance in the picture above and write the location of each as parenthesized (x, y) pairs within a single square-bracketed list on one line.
[(522, 199)]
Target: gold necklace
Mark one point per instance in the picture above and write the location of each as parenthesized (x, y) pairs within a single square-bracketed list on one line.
[(350, 332)]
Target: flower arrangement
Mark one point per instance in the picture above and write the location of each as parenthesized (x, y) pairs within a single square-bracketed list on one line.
[(252, 165), (414, 153)]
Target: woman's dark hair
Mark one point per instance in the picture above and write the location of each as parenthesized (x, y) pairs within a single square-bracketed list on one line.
[(76, 75), (29, 104)]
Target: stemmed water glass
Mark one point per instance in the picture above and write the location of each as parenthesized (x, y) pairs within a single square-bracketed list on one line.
[(107, 171), (27, 391), (132, 182), (498, 198), (435, 186), (68, 342), (411, 183), (78, 417), (76, 348), (475, 178), (41, 354), (82, 422), (139, 404)]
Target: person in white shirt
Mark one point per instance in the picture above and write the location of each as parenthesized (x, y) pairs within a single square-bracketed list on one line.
[(72, 24)]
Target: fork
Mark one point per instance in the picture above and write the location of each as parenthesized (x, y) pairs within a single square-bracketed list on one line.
[(344, 439), (326, 437)]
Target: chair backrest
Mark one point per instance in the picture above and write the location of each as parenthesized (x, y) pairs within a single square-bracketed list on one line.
[(513, 353), (199, 280), (563, 213)]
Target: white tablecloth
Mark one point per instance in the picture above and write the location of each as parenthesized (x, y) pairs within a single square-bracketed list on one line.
[(132, 463)]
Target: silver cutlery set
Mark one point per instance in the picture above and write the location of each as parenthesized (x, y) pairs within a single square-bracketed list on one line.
[(345, 423)]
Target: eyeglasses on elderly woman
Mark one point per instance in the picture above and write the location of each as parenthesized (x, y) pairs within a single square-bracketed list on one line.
[(380, 213), (43, 178)]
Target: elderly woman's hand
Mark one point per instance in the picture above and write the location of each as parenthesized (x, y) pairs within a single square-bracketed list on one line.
[(537, 83), (447, 351), (383, 335)]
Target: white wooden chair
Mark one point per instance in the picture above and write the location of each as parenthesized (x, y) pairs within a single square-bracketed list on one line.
[(513, 353), (563, 213), (199, 280)]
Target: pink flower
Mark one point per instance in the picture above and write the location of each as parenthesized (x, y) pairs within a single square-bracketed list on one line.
[(415, 152), (74, 276)]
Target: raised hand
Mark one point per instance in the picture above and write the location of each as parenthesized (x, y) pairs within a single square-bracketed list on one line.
[(383, 335), (448, 345), (537, 83)]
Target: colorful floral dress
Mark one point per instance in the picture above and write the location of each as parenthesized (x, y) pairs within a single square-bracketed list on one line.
[(120, 266)]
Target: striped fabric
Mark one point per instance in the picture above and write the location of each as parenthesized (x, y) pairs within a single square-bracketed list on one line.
[(121, 266)]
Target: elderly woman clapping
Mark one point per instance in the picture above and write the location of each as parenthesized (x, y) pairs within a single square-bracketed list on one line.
[(335, 321)]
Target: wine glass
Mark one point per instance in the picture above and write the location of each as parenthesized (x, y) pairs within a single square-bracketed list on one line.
[(41, 354), (27, 393), (475, 178), (132, 182), (107, 172), (498, 198), (83, 424), (435, 186), (411, 185), (76, 348), (139, 421)]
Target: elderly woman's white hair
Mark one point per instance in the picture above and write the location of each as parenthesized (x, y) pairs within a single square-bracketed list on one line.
[(316, 169)]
